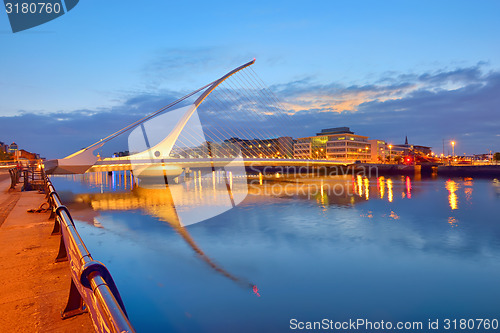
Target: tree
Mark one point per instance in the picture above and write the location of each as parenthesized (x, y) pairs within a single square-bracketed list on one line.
[(397, 159), (496, 157), (5, 156)]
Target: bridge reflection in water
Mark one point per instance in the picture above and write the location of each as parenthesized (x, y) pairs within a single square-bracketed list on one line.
[(292, 237), (121, 191)]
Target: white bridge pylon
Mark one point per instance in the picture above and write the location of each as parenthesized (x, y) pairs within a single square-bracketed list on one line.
[(84, 159), (162, 149), (139, 139)]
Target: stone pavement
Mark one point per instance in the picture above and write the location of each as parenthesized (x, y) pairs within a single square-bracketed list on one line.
[(33, 287)]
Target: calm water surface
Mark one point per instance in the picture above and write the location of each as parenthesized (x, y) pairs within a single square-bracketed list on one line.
[(392, 249)]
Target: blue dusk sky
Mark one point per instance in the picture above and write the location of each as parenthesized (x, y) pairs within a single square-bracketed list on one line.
[(426, 69)]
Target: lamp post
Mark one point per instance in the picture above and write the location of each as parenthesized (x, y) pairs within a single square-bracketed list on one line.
[(390, 152), (453, 149)]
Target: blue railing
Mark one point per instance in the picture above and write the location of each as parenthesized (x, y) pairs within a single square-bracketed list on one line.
[(92, 287)]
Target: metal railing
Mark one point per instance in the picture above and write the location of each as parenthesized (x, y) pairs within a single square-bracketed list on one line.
[(92, 287), (14, 177), (31, 176)]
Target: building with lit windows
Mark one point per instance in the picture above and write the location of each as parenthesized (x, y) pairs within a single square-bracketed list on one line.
[(281, 147), (379, 151), (302, 148), (339, 143), (398, 152), (13, 148)]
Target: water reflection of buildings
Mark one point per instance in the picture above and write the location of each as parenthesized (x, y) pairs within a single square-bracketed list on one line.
[(107, 181), (452, 188), (382, 186), (339, 190), (205, 190)]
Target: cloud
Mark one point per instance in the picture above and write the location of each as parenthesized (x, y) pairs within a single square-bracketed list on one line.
[(461, 104), (305, 95)]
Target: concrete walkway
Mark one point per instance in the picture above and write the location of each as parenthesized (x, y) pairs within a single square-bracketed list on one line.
[(33, 289)]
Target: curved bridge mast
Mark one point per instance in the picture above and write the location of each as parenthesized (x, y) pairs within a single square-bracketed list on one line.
[(84, 159)]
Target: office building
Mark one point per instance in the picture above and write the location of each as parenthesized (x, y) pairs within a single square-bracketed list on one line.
[(338, 143)]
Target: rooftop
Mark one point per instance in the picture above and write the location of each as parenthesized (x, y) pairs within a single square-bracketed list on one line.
[(335, 130)]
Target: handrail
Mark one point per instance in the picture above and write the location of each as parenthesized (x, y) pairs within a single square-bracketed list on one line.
[(90, 278), (14, 177)]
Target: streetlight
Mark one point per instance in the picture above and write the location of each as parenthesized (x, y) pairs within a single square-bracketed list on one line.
[(453, 149), (390, 152)]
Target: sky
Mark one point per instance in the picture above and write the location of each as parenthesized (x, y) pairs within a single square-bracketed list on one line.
[(426, 69)]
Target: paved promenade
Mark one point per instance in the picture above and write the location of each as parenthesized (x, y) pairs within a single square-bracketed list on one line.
[(33, 288)]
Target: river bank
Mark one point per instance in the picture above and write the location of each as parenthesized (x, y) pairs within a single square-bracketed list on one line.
[(34, 287)]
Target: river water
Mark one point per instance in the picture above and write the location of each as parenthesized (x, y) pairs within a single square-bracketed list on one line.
[(397, 249)]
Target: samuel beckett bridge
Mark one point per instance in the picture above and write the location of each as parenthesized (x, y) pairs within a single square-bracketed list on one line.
[(234, 121), (186, 163)]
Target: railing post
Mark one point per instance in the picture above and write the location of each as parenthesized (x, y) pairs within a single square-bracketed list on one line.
[(13, 178), (93, 289), (53, 205), (57, 227), (62, 255), (26, 180), (75, 305)]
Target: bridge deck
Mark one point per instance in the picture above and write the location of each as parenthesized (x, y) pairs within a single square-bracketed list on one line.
[(123, 163)]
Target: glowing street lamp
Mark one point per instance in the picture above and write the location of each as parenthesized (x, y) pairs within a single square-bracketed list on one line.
[(390, 152), (453, 149)]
